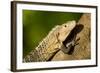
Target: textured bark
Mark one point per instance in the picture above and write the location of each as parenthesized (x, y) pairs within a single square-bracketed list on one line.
[(83, 49)]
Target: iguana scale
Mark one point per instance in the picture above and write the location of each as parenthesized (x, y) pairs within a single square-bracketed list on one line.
[(51, 43)]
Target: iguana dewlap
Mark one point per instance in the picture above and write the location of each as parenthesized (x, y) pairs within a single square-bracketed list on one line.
[(51, 43)]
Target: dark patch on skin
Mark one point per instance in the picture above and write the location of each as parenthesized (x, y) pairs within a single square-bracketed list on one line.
[(72, 38)]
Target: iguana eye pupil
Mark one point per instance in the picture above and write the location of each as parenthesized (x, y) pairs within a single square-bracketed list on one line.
[(65, 25)]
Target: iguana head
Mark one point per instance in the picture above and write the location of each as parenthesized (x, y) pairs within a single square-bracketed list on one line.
[(65, 30)]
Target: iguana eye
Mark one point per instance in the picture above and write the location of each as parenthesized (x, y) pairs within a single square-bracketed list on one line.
[(65, 26)]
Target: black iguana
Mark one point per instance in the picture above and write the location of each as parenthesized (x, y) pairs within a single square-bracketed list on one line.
[(51, 43)]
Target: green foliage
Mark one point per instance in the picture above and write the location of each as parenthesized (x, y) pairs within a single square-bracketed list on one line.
[(37, 24)]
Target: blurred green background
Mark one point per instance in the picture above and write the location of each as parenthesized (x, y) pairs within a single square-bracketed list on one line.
[(37, 24)]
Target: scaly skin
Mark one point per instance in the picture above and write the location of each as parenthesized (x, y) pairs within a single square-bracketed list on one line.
[(51, 43)]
